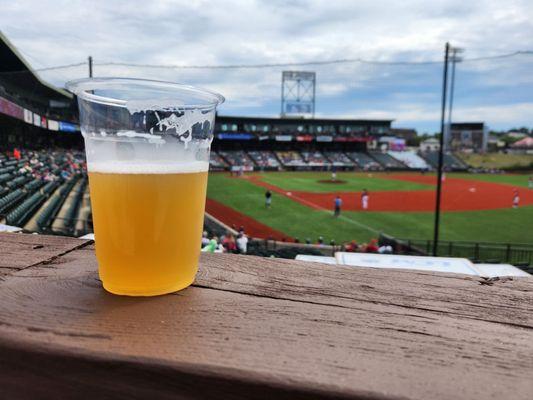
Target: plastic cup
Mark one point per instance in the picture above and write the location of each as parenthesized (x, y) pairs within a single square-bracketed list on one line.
[(147, 145)]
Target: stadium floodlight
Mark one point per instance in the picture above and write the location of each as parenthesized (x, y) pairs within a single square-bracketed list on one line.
[(454, 58)]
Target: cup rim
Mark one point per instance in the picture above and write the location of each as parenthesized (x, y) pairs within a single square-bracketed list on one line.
[(82, 88)]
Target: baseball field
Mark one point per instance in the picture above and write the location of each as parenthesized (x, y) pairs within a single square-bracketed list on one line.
[(475, 207)]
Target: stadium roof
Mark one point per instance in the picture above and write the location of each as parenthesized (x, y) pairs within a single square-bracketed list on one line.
[(21, 74), (294, 120)]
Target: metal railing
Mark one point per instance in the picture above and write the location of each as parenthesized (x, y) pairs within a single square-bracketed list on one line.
[(520, 254)]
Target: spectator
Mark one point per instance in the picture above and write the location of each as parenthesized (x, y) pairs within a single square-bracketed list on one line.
[(337, 204), (385, 249), (351, 247), (242, 243), (205, 239), (229, 243), (372, 247), (320, 240), (211, 247)]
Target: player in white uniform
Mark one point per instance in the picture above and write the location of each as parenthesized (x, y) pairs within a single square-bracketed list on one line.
[(364, 199), (516, 199)]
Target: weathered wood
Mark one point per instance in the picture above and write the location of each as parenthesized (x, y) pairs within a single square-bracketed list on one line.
[(19, 251), (264, 328)]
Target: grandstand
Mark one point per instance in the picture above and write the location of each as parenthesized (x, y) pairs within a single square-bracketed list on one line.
[(216, 162), (42, 192), (314, 159), (450, 161), (365, 162), (388, 162), (265, 159), (409, 159), (339, 159), (291, 159), (237, 158)]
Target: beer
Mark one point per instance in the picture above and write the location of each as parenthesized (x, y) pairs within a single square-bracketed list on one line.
[(148, 224)]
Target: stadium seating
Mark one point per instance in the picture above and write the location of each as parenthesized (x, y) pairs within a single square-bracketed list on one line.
[(387, 161), (11, 199), (450, 162), (290, 159), (314, 158), (237, 158), (364, 161), (21, 213), (264, 159), (339, 159), (50, 211), (410, 159), (216, 162), (28, 188)]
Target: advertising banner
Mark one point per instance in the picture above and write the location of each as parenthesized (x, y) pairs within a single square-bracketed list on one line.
[(283, 138), (67, 127), (28, 116), (235, 136), (11, 109), (304, 138), (53, 125), (36, 119), (324, 138)]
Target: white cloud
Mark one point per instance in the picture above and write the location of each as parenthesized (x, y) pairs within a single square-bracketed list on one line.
[(192, 32)]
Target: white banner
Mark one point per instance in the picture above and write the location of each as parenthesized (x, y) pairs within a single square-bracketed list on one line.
[(28, 116), (53, 125), (36, 119)]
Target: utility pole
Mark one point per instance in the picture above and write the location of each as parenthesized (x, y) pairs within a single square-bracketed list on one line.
[(441, 150), (454, 58), (90, 67)]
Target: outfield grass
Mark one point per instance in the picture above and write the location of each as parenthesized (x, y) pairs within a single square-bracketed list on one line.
[(354, 182), (506, 179), (496, 160), (297, 220)]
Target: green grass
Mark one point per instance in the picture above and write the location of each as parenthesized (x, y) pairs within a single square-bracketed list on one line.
[(296, 220), (496, 160), (309, 182), (506, 179)]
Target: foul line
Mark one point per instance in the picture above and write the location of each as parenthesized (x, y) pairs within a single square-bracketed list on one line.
[(309, 203), (319, 208)]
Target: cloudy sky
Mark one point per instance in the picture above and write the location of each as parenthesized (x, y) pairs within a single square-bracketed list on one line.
[(184, 33)]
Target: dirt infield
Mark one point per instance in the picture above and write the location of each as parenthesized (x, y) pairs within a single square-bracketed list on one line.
[(234, 218), (457, 195)]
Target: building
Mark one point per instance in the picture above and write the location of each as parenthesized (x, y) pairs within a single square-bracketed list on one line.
[(260, 133), (429, 145), (468, 136), (405, 133)]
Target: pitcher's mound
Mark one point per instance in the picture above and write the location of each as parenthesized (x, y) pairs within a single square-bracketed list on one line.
[(336, 182)]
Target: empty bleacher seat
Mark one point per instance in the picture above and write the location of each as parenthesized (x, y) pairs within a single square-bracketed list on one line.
[(410, 159)]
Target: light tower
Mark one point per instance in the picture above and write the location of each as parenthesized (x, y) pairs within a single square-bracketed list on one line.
[(454, 58)]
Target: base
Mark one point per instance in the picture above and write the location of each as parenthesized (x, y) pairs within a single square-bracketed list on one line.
[(122, 291)]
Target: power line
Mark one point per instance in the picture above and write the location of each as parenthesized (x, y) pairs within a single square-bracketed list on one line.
[(308, 63), (274, 65)]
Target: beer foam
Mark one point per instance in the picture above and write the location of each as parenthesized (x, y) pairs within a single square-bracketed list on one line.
[(139, 167)]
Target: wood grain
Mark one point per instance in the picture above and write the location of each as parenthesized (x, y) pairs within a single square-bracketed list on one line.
[(265, 328)]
